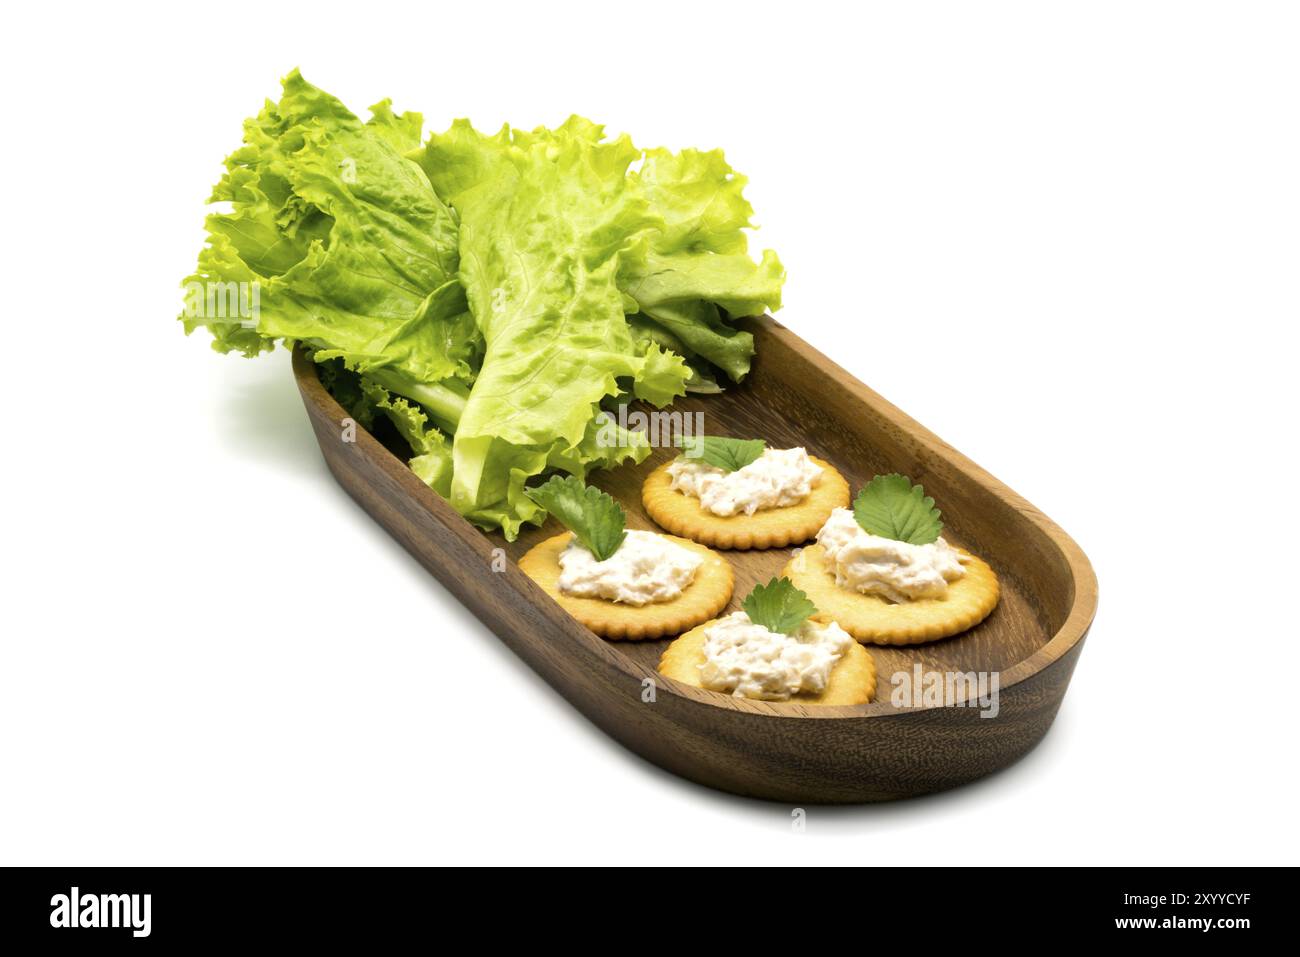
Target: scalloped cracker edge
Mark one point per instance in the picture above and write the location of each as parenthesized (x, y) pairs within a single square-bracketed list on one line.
[(706, 595), (683, 515), (853, 679), (877, 621)]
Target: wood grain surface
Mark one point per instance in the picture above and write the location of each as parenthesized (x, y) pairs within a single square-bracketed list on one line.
[(794, 397)]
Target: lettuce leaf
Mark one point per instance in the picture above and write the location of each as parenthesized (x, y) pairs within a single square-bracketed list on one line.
[(545, 219), (349, 249), (483, 297), (370, 404), (430, 449), (697, 271)]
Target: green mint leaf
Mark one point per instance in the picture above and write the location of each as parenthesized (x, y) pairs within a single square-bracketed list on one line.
[(778, 606), (720, 452), (594, 517), (890, 506)]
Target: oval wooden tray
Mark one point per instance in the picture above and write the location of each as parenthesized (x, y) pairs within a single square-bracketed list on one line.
[(794, 397)]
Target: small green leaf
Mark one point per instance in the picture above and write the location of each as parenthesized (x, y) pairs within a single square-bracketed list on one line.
[(720, 452), (778, 606), (595, 518), (890, 506)]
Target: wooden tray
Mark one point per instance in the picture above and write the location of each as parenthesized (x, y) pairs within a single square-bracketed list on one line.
[(794, 397)]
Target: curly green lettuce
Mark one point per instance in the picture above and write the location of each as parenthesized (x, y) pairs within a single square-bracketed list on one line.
[(695, 274), (347, 246), (481, 300), (545, 220)]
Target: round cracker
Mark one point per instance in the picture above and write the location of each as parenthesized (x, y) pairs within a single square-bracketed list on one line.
[(682, 514), (878, 621), (706, 595), (853, 679)]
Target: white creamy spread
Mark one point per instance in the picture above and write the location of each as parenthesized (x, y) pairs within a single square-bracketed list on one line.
[(646, 568), (748, 661), (777, 478), (895, 570)]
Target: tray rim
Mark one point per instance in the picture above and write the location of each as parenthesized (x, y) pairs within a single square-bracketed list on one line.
[(1073, 629)]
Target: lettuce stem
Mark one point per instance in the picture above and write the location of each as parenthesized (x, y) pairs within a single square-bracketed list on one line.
[(444, 400)]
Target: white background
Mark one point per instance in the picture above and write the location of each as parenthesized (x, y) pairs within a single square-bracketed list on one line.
[(1065, 237)]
